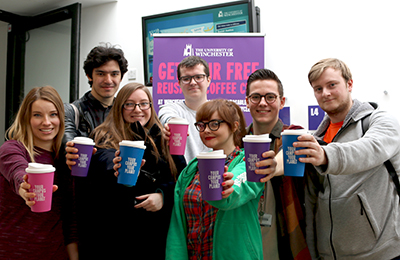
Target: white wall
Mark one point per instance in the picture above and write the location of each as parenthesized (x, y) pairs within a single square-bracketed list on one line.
[(364, 34)]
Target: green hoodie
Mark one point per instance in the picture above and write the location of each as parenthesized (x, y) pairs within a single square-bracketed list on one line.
[(237, 233)]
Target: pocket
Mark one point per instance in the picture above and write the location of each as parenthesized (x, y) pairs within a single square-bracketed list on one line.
[(355, 230)]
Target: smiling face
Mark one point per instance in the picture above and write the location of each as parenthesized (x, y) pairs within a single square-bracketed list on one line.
[(45, 123), (265, 114), (220, 139), (333, 94), (143, 116), (106, 80), (193, 91)]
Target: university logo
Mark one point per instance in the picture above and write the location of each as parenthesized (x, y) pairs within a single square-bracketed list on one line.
[(188, 51)]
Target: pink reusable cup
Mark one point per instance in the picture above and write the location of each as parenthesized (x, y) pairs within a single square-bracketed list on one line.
[(85, 151), (177, 140), (41, 179), (254, 147), (211, 170)]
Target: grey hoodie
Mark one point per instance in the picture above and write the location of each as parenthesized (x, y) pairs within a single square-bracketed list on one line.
[(352, 209)]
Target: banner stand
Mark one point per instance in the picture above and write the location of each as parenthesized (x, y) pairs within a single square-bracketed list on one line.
[(232, 57)]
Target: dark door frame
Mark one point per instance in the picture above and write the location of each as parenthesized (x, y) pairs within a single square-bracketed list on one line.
[(16, 43)]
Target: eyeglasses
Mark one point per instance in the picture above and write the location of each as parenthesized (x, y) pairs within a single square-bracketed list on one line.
[(212, 124), (131, 106), (269, 98), (187, 79)]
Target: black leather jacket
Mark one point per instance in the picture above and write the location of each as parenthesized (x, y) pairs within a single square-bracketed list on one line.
[(86, 121)]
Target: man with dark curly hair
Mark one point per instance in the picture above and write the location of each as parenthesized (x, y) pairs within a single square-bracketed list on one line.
[(104, 67)]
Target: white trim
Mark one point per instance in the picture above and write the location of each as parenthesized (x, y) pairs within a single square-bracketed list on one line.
[(208, 35)]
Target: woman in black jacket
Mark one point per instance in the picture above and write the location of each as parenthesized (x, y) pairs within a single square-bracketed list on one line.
[(116, 221)]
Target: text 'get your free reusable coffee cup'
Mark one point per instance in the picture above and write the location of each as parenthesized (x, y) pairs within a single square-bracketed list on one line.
[(131, 153), (178, 128), (41, 179), (254, 147), (85, 151), (291, 164), (211, 170)]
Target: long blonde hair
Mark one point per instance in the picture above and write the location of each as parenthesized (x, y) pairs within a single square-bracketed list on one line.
[(114, 129), (21, 131)]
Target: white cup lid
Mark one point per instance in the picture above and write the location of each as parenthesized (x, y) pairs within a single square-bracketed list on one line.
[(39, 168), (294, 132), (217, 154), (257, 138), (83, 140), (137, 144), (178, 121)]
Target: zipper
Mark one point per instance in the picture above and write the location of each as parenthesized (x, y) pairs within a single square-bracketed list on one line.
[(366, 215), (330, 215), (330, 193)]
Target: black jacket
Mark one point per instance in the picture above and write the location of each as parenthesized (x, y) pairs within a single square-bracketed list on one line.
[(86, 106), (111, 227)]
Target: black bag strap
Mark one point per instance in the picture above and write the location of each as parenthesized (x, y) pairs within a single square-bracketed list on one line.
[(388, 164)]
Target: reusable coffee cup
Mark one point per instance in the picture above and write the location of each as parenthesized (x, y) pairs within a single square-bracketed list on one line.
[(131, 153), (85, 151), (177, 140), (254, 147), (211, 170), (41, 179), (291, 164)]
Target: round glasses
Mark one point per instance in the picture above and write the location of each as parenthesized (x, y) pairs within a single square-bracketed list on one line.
[(269, 98), (187, 79), (212, 124), (131, 106)]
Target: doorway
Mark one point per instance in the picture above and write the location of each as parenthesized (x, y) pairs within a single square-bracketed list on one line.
[(41, 50)]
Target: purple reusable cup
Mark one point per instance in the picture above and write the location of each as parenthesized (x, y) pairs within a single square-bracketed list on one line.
[(85, 151), (41, 179), (254, 147), (211, 170)]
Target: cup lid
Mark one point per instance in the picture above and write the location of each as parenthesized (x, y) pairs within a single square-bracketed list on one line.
[(178, 121), (257, 138), (217, 154), (39, 168), (83, 140), (137, 144), (294, 132)]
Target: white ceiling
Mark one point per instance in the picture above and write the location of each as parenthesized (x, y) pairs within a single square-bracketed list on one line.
[(35, 7)]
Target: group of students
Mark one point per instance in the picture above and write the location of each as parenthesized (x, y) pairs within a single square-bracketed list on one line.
[(164, 216)]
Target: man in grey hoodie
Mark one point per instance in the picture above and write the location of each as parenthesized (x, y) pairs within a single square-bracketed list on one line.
[(352, 208)]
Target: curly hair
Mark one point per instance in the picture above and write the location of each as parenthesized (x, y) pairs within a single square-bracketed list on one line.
[(102, 54)]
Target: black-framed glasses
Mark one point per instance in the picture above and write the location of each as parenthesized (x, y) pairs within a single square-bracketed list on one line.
[(187, 79), (142, 105), (212, 124), (270, 98)]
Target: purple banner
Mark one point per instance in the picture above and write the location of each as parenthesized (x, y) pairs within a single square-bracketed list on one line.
[(231, 60), (315, 116)]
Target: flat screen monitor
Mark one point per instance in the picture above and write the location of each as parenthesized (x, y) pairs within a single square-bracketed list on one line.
[(233, 17)]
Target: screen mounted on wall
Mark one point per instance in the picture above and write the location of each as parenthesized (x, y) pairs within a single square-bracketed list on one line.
[(234, 17)]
